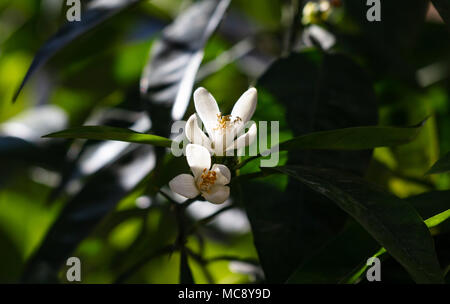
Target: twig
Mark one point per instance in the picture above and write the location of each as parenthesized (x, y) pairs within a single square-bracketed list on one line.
[(124, 276)]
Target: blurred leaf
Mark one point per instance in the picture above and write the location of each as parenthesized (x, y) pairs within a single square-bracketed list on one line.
[(340, 266), (358, 138), (185, 271), (111, 133), (437, 219), (391, 221), (96, 12), (168, 79), (85, 210), (441, 166), (443, 7)]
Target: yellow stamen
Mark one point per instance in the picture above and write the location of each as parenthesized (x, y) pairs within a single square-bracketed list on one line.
[(224, 121), (207, 179)]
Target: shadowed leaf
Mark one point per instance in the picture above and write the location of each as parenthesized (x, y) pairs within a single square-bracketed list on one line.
[(391, 221)]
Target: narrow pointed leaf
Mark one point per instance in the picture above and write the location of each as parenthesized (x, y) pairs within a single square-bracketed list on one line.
[(111, 133), (168, 79), (441, 166), (358, 138), (391, 221)]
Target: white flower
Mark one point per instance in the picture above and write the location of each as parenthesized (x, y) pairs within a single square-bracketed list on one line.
[(222, 129), (207, 181)]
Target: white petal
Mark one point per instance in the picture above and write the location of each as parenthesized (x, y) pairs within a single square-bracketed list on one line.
[(245, 107), (223, 174), (198, 159), (245, 139), (195, 135), (184, 184), (207, 108), (217, 194)]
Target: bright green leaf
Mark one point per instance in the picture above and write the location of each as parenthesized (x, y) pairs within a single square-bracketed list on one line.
[(391, 221), (112, 133), (441, 166)]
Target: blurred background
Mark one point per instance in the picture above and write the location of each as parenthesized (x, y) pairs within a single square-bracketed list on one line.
[(118, 224)]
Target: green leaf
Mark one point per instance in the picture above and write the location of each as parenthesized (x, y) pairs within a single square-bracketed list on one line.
[(431, 222), (358, 138), (318, 92), (391, 221), (441, 166), (430, 203), (333, 263), (112, 133)]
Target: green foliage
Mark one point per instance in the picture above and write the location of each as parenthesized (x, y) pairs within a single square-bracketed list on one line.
[(85, 164)]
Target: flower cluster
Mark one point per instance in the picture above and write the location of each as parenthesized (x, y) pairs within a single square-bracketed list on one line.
[(222, 138)]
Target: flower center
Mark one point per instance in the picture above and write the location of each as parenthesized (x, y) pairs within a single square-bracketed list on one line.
[(207, 179), (224, 121)]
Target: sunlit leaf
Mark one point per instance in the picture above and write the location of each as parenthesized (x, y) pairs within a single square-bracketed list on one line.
[(358, 138), (111, 133), (169, 76), (97, 12), (441, 166)]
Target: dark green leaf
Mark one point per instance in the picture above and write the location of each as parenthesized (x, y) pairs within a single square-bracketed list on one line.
[(441, 166), (391, 221), (348, 263), (358, 138), (387, 45), (430, 203), (111, 133), (94, 15)]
